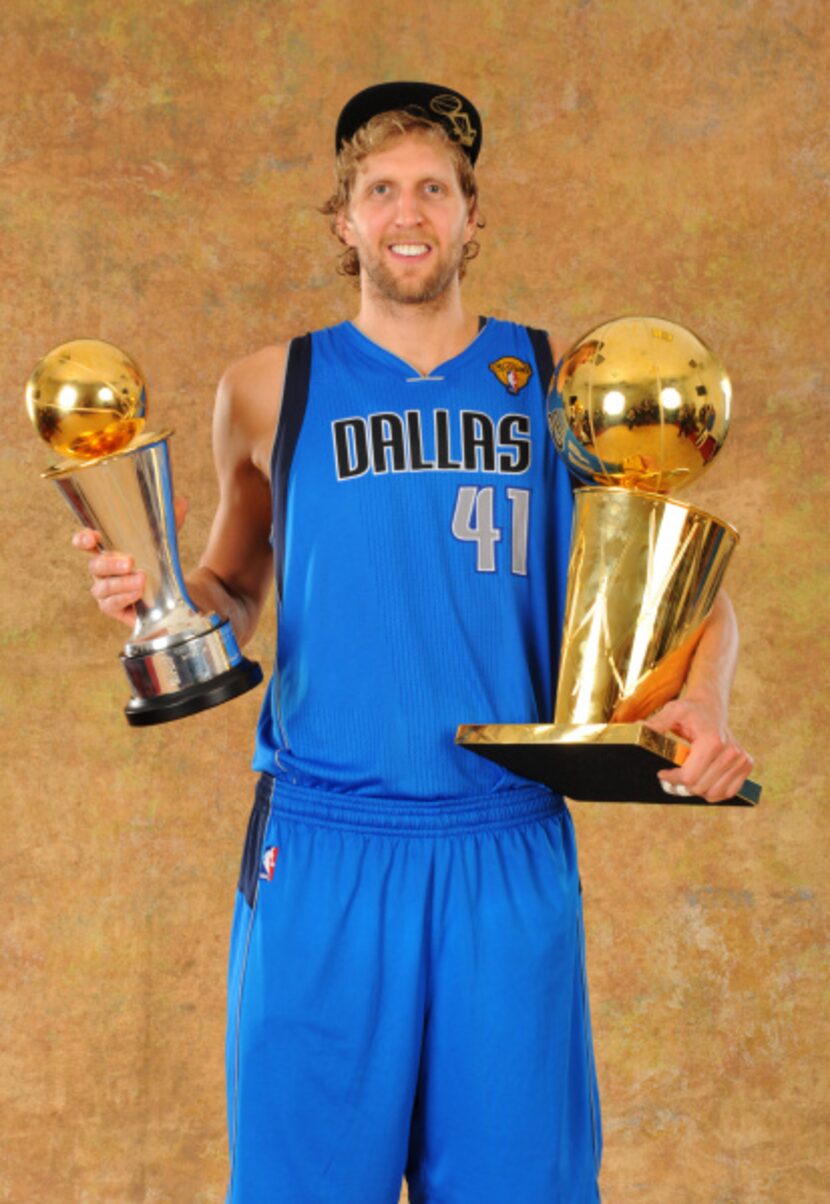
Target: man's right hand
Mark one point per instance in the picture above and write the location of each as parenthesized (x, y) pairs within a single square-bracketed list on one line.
[(116, 586)]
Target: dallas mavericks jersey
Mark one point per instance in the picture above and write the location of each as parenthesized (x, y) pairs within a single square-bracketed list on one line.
[(421, 536)]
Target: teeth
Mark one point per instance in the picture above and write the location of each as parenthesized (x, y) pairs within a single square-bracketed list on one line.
[(409, 248)]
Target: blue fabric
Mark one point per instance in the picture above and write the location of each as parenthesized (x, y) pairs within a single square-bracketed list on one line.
[(407, 995), (415, 596), (407, 989)]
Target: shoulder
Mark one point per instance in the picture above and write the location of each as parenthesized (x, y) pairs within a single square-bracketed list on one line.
[(247, 407), (543, 338), (261, 375), (544, 353), (537, 335), (246, 380), (250, 389)]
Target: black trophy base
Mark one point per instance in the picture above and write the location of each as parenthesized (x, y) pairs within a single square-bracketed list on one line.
[(600, 763), (144, 712)]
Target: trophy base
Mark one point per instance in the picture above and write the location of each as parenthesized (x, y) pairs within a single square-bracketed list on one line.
[(603, 762), (144, 712)]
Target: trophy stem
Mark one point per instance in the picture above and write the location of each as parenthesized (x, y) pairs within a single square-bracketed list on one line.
[(644, 574)]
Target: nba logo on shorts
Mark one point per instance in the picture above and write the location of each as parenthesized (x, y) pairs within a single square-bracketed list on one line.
[(269, 860)]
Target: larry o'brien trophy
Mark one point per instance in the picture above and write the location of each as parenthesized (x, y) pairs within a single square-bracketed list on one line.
[(638, 407), (87, 400)]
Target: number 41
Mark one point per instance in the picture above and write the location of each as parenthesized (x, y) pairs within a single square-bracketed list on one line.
[(472, 522)]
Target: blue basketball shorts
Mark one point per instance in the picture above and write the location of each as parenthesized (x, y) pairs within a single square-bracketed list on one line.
[(407, 998)]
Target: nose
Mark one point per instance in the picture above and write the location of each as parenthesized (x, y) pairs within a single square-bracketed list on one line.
[(408, 210)]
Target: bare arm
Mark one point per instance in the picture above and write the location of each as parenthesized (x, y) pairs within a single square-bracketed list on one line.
[(717, 766), (235, 570), (712, 670)]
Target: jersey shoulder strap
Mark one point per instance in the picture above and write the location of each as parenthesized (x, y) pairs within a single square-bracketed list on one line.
[(292, 413), (544, 357), (540, 341)]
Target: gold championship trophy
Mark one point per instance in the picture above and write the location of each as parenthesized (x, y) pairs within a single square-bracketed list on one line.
[(87, 400), (638, 407)]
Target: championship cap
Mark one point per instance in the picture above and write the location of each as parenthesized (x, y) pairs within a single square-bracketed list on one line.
[(444, 106)]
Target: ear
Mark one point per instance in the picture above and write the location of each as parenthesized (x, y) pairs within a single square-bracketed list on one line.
[(344, 228), (471, 224)]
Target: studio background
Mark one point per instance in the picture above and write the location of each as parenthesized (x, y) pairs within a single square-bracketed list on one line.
[(160, 168)]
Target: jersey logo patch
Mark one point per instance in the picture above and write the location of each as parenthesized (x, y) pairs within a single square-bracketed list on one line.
[(512, 372), (269, 861)]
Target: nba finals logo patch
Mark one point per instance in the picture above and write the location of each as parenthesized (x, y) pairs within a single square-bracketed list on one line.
[(513, 373), (269, 860)]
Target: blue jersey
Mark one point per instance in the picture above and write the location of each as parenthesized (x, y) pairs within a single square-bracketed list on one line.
[(421, 533)]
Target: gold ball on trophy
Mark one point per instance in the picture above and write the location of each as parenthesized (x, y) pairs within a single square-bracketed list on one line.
[(640, 402), (87, 399)]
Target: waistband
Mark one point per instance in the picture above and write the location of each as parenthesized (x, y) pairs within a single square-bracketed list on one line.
[(407, 817)]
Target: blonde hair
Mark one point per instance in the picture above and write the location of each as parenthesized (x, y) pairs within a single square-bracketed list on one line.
[(374, 136)]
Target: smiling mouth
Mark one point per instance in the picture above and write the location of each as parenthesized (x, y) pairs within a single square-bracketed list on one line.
[(409, 250)]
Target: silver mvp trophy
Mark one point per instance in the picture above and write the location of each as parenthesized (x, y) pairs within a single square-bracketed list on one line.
[(87, 400)]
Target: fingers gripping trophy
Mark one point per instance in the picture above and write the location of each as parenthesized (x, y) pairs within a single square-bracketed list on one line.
[(88, 401), (638, 407)]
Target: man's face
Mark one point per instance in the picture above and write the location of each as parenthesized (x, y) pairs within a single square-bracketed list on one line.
[(408, 220)]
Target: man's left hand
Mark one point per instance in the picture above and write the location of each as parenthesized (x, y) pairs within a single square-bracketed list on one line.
[(716, 766)]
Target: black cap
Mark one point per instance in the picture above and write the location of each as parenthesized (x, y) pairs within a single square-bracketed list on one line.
[(444, 106)]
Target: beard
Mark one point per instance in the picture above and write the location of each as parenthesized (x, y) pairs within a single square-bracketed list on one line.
[(415, 290)]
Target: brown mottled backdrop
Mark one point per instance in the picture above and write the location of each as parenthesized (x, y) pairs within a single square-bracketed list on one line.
[(159, 170)]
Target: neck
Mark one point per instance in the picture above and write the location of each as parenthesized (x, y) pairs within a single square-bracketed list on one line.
[(425, 334)]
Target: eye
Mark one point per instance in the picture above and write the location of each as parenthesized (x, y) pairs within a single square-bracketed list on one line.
[(379, 189), (433, 188)]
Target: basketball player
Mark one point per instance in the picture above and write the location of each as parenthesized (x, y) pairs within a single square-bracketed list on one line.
[(407, 983)]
